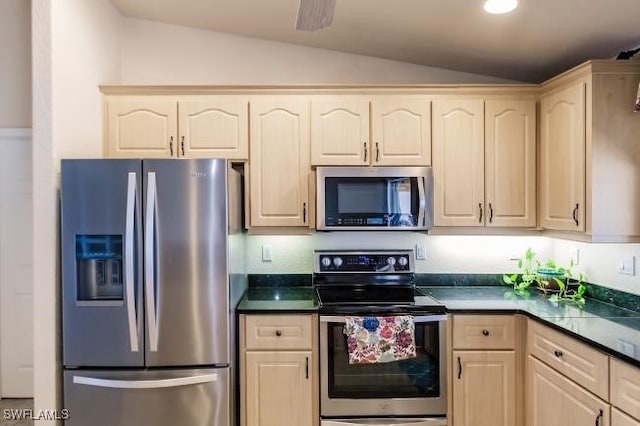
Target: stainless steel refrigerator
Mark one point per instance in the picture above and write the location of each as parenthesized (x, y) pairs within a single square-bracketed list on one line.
[(148, 291)]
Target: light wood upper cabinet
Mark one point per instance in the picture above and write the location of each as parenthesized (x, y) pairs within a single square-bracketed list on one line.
[(562, 150), (401, 131), (510, 163), (339, 131), (396, 132), (170, 127), (458, 162), (484, 162), (589, 152), (279, 166), (216, 128), (141, 126)]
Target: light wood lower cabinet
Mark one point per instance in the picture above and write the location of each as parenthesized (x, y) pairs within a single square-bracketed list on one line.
[(484, 388), (279, 389), (618, 418), (554, 400), (486, 364), (278, 370)]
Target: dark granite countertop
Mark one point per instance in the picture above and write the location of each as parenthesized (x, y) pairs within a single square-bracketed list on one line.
[(277, 299), (610, 328)]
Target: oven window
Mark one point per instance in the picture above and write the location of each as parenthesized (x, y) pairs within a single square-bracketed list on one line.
[(418, 377)]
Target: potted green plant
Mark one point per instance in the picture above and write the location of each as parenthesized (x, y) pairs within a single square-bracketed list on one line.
[(560, 283)]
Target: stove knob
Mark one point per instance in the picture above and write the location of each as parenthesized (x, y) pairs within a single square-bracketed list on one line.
[(391, 261), (337, 262), (326, 262), (403, 261)]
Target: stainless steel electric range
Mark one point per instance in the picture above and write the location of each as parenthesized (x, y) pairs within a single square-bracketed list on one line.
[(406, 392)]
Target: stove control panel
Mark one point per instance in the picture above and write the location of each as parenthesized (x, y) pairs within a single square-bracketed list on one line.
[(379, 262)]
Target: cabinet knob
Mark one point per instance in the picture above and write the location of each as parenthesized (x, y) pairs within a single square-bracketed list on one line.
[(278, 333), (485, 332), (557, 353)]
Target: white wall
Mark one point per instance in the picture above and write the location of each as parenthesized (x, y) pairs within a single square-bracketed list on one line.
[(156, 53), (16, 264), (449, 254), (599, 262), (15, 63), (75, 49)]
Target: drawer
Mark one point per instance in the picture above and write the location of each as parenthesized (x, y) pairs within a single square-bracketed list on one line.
[(618, 418), (279, 332), (625, 387), (484, 332), (581, 363)]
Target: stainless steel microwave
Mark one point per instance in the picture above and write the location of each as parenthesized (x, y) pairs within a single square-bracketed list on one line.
[(374, 198)]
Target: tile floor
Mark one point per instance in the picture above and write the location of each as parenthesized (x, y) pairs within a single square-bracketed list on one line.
[(14, 404)]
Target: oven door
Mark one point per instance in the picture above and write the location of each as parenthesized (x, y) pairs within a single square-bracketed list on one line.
[(412, 388), (374, 198)]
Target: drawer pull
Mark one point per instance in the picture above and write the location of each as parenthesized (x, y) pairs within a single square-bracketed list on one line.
[(485, 332), (278, 333), (599, 417), (557, 353)]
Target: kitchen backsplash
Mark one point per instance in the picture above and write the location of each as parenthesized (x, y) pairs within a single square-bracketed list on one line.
[(293, 254)]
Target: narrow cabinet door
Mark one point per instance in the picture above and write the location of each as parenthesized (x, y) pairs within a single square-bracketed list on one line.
[(214, 128), (340, 131), (484, 388), (458, 162), (279, 167), (141, 126), (510, 163), (279, 389), (562, 162), (401, 131)]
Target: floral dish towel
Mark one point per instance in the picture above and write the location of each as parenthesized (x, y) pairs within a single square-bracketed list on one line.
[(380, 339)]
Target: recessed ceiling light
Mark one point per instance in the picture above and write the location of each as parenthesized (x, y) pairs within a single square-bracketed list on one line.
[(498, 7)]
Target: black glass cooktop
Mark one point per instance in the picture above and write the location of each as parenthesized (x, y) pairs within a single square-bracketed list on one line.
[(376, 299)]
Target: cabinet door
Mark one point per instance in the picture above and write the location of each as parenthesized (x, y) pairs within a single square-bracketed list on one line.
[(618, 418), (339, 131), (215, 128), (510, 164), (562, 162), (484, 388), (141, 127), (555, 400), (458, 162), (279, 166), (401, 131), (279, 389)]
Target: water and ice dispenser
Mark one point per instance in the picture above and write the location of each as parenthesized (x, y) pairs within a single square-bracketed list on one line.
[(99, 267)]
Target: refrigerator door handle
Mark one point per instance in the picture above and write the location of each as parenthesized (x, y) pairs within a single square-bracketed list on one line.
[(150, 261), (132, 315), (145, 384)]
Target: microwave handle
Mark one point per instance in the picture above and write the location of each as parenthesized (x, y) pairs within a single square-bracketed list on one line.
[(422, 201), (416, 319)]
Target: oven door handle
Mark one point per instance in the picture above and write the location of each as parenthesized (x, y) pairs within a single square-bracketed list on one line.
[(416, 319)]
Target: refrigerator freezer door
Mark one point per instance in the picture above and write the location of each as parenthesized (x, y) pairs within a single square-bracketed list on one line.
[(101, 257), (186, 278), (147, 398)]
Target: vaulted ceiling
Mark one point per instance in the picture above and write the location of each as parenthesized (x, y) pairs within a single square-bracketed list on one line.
[(539, 39)]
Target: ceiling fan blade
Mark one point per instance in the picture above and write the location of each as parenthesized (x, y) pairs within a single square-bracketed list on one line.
[(314, 15)]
